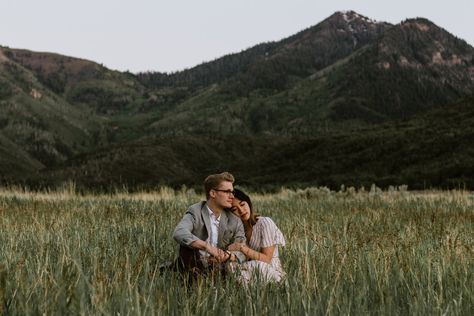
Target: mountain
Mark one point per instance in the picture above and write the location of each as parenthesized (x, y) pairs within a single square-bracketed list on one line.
[(272, 65), (53, 107), (433, 149), (36, 122), (293, 111), (414, 67), (80, 81), (346, 71)]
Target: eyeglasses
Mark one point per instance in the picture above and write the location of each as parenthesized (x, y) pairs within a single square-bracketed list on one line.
[(228, 192)]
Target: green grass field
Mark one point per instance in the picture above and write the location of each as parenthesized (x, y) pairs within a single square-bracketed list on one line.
[(347, 253)]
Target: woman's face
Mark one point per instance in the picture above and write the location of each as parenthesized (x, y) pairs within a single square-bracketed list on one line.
[(241, 209)]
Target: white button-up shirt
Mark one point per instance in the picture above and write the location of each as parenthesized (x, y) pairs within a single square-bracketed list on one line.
[(213, 234), (215, 220)]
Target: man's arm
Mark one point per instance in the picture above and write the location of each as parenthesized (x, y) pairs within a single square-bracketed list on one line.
[(239, 237), (183, 235), (217, 253)]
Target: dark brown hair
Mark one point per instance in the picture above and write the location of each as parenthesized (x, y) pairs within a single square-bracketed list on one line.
[(214, 180), (240, 195)]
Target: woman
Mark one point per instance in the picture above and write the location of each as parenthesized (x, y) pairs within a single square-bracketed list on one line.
[(263, 238)]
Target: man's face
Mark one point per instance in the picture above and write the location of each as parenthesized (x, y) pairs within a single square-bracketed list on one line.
[(222, 195)]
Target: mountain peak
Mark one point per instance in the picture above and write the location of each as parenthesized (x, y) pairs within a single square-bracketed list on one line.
[(428, 39), (355, 23), (421, 24), (351, 16)]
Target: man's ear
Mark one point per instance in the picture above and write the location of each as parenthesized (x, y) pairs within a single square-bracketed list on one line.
[(212, 194)]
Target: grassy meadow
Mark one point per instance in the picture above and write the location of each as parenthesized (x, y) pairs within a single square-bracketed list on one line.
[(351, 252)]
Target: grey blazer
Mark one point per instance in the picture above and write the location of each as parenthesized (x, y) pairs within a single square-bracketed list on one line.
[(196, 224)]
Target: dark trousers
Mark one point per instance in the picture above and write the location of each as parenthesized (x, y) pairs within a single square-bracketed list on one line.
[(189, 263), (189, 259)]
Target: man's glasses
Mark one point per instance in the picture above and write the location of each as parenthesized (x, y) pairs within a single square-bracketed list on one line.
[(228, 192)]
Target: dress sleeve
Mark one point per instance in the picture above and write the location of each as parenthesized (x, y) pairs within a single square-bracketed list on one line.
[(270, 234)]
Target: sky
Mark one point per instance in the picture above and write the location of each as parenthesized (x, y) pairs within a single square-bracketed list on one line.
[(167, 36)]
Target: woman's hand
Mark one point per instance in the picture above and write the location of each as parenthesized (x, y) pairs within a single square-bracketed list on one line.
[(236, 246)]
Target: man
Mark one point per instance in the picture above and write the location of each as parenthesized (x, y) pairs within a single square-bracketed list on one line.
[(207, 229)]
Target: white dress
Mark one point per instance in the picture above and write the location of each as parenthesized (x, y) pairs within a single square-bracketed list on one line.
[(265, 234)]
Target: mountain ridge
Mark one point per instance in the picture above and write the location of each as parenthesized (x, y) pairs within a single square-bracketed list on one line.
[(266, 51), (61, 115)]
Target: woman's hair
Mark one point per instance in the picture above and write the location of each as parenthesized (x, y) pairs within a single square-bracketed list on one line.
[(240, 195)]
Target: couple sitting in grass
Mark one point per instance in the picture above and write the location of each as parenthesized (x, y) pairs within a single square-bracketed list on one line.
[(223, 234)]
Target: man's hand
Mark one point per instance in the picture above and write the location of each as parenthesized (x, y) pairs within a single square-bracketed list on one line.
[(218, 255)]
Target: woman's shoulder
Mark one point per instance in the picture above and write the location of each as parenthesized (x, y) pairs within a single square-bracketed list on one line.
[(270, 231), (265, 221)]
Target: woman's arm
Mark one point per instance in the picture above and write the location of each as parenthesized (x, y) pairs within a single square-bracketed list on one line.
[(265, 255), (267, 232)]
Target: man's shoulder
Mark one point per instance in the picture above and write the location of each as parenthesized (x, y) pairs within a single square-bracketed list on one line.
[(232, 217), (197, 207)]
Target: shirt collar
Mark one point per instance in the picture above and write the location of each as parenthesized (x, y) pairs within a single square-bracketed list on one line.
[(211, 213)]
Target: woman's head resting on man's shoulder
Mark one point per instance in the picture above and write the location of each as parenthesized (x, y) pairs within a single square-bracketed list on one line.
[(242, 207)]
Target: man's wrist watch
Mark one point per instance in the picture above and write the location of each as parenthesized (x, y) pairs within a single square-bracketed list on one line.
[(230, 255)]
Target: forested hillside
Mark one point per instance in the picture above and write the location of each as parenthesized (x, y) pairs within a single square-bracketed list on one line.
[(347, 101), (433, 150)]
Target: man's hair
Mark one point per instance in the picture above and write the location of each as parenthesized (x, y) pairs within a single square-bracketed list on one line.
[(212, 181)]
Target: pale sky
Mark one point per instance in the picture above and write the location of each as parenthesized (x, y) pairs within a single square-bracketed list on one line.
[(159, 35)]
